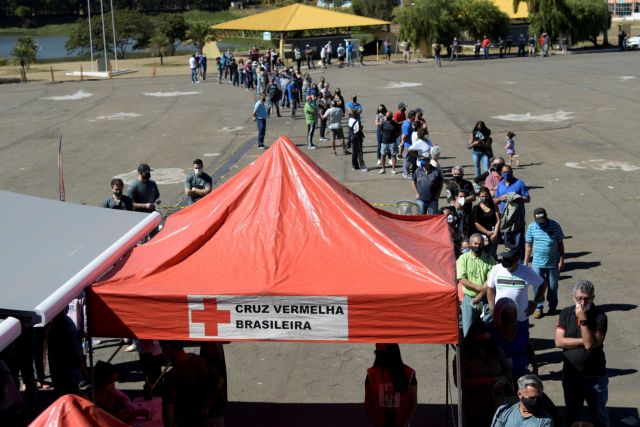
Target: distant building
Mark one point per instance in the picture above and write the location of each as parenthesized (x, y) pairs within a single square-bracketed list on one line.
[(624, 8)]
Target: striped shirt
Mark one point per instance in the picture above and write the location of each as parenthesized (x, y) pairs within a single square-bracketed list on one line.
[(545, 243), (514, 286)]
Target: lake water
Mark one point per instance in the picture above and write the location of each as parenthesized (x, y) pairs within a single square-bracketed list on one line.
[(52, 47)]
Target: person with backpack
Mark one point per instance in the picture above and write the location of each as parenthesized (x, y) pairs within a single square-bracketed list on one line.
[(356, 138)]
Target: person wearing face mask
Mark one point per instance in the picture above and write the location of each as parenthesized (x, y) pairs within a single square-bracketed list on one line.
[(117, 200), (528, 411), (197, 184), (390, 389), (580, 334), (472, 269), (427, 183), (494, 177), (484, 373), (513, 192), (544, 239), (485, 219), (510, 279), (459, 188), (144, 191)]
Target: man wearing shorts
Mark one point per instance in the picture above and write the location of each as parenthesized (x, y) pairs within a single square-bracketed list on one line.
[(390, 130), (334, 116)]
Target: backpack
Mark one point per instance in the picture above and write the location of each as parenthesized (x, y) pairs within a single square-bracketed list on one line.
[(512, 218)]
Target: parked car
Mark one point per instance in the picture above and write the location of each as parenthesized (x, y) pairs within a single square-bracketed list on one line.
[(633, 42)]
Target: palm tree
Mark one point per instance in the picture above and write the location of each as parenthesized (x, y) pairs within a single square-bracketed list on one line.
[(199, 34), (25, 52), (159, 45)]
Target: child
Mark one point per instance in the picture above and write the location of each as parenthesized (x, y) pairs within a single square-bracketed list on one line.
[(510, 146)]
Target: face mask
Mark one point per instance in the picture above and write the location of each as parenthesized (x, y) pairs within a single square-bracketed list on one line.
[(198, 171), (586, 307), (507, 175), (476, 249), (483, 199), (530, 404), (461, 201), (465, 250), (421, 163), (117, 192), (146, 175), (457, 178)]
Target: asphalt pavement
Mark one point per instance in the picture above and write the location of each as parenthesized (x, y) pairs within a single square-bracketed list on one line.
[(577, 125)]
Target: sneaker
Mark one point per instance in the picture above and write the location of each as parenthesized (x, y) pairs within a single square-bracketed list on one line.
[(395, 172), (382, 172), (130, 348), (405, 176), (364, 169), (390, 162), (379, 162), (552, 311), (311, 147), (345, 152), (262, 147), (537, 314), (324, 139)]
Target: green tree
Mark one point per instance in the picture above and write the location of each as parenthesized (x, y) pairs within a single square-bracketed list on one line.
[(25, 52), (379, 9), (428, 20), (174, 27), (160, 45), (587, 18), (199, 34), (131, 26), (480, 17)]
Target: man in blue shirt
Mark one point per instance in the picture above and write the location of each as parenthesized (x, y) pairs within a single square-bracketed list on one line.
[(544, 238), (515, 192), (260, 117), (349, 53), (354, 110)]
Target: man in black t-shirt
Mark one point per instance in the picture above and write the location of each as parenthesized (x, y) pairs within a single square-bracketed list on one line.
[(459, 187), (580, 333)]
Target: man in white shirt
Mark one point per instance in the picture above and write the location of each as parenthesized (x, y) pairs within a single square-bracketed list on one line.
[(334, 116), (510, 279), (193, 65)]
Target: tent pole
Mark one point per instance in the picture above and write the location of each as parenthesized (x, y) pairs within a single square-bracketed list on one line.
[(446, 387), (92, 377), (459, 373), (282, 46)]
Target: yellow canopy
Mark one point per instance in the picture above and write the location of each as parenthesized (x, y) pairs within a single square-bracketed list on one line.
[(507, 7), (298, 17)]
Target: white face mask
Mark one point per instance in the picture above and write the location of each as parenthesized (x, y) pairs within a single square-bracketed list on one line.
[(198, 172), (461, 201)]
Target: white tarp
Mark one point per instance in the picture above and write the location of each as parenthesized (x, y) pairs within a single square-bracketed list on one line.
[(52, 250)]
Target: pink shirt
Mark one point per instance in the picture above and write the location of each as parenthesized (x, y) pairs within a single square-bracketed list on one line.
[(492, 182)]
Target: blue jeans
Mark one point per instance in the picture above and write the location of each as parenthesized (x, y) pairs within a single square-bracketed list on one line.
[(262, 129), (486, 53), (379, 140), (551, 275), (311, 128), (469, 313), (578, 389), (427, 207), (409, 159), (194, 76), (515, 238), (480, 161), (273, 102)]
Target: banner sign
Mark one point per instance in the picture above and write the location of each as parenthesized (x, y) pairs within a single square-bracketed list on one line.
[(268, 317)]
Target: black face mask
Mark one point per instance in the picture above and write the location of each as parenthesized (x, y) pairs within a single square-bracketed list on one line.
[(530, 404), (146, 175), (476, 249), (457, 178), (508, 263)]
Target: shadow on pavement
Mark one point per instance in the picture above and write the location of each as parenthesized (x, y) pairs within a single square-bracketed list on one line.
[(617, 307)]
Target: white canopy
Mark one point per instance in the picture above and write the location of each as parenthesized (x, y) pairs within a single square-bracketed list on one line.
[(52, 250), (10, 329)]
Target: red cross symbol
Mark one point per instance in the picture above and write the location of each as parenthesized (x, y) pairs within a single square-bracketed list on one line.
[(210, 316)]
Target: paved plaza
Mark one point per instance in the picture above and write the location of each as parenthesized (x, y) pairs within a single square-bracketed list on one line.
[(577, 123)]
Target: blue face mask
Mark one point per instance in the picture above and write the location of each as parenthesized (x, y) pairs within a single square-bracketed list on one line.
[(507, 175), (421, 163)]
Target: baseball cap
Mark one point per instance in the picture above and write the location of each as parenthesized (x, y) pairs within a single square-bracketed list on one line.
[(540, 215), (417, 110), (401, 105), (143, 167), (509, 252)]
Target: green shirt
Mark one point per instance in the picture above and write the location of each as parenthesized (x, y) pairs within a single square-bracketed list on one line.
[(310, 111), (475, 269)]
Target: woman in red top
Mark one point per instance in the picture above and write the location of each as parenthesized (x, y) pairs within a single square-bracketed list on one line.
[(391, 389)]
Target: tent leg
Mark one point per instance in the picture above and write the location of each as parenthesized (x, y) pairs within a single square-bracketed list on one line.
[(446, 387), (282, 46), (459, 373), (91, 376)]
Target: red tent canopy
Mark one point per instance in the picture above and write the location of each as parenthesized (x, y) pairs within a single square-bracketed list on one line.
[(73, 411), (282, 251)]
